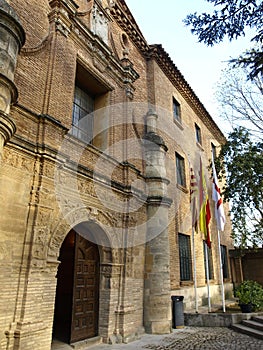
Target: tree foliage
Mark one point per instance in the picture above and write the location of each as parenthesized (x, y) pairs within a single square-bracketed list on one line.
[(241, 163), (241, 101), (231, 19)]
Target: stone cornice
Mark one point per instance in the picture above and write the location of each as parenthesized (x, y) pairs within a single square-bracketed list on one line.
[(175, 76), (122, 15)]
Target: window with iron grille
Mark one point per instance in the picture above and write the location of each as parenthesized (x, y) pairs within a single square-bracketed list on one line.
[(210, 261), (180, 170), (198, 134), (176, 110), (82, 116), (224, 261), (185, 257)]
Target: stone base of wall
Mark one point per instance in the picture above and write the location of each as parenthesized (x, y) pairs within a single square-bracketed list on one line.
[(215, 295), (118, 339), (217, 319)]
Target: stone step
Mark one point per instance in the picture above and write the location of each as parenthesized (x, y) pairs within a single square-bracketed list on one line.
[(253, 324), (258, 319), (83, 344), (247, 330)]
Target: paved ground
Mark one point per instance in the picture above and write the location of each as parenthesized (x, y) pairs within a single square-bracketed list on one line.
[(212, 338)]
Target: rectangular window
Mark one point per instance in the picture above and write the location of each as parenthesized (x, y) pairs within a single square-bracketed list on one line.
[(82, 116), (198, 134), (180, 170), (213, 147), (210, 261), (185, 257), (176, 110), (224, 261)]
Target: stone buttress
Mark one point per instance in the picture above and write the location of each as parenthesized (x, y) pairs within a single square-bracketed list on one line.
[(157, 305)]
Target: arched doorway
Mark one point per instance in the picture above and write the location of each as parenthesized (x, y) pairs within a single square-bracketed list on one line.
[(77, 294)]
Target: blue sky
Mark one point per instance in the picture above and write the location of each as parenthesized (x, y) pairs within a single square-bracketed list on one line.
[(161, 23)]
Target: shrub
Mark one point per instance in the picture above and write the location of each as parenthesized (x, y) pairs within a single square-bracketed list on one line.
[(250, 292)]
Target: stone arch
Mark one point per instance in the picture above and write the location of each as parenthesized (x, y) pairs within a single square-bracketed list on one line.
[(101, 222), (90, 224)]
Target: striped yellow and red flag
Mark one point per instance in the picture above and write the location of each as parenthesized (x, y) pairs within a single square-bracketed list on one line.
[(205, 214)]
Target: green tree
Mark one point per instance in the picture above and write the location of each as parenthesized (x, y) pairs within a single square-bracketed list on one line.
[(231, 19), (241, 163)]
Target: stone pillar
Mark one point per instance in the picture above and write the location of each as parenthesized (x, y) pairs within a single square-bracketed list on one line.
[(157, 299), (12, 38)]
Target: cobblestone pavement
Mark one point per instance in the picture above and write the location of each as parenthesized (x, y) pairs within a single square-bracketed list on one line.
[(191, 338)]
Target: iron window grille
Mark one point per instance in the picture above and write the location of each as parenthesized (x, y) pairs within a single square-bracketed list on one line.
[(180, 170), (185, 257), (176, 110), (224, 261), (198, 134), (82, 115)]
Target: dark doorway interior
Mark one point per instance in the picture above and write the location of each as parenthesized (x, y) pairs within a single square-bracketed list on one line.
[(77, 295)]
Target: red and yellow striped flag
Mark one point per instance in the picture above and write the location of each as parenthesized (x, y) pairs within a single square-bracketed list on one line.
[(205, 214)]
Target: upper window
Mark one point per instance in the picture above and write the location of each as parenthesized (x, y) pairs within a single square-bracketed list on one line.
[(89, 115), (213, 147), (185, 257), (82, 116), (210, 261), (198, 134), (176, 110), (180, 170), (224, 261)]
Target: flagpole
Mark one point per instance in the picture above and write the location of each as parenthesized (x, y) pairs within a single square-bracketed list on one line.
[(193, 190), (207, 278), (195, 280), (221, 273), (220, 222)]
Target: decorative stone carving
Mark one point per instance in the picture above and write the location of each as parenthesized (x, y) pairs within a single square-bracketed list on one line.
[(72, 217), (86, 187), (61, 12), (18, 161), (106, 270), (99, 22)]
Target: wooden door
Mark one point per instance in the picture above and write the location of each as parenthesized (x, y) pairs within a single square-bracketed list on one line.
[(85, 305)]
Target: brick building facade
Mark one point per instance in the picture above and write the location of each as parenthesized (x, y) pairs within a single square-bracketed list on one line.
[(96, 131)]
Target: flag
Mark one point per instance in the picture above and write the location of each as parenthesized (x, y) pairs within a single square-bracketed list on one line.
[(204, 215), (193, 197), (216, 196)]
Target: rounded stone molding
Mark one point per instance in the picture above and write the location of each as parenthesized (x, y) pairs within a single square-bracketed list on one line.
[(8, 93), (10, 20), (7, 128)]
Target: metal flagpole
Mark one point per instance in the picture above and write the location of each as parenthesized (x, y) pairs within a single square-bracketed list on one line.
[(195, 281), (207, 278), (218, 202), (221, 273), (193, 190)]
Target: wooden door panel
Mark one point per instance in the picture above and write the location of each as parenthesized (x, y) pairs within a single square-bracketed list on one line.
[(85, 290)]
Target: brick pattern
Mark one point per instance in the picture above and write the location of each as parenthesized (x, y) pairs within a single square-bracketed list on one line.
[(34, 221)]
